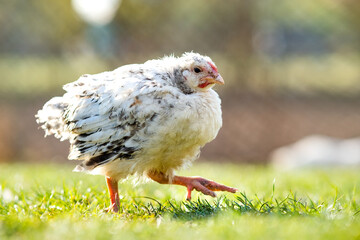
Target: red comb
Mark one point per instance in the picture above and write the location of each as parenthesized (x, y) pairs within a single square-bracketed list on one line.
[(213, 67)]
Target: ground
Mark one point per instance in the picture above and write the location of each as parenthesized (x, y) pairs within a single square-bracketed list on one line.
[(51, 202)]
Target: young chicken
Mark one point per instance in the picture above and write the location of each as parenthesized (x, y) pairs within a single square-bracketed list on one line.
[(148, 119)]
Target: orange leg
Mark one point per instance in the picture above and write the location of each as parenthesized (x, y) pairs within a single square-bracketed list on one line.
[(203, 185), (112, 185)]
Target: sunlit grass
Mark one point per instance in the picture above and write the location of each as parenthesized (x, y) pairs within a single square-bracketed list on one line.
[(51, 202)]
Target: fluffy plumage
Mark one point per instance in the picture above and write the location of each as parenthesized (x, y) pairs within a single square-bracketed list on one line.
[(140, 118)]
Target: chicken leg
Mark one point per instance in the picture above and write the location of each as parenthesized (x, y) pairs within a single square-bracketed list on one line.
[(112, 185), (200, 184)]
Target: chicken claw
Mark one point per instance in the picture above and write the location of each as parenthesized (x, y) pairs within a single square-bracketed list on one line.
[(200, 184)]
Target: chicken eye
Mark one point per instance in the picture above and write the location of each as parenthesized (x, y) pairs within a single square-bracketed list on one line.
[(197, 70)]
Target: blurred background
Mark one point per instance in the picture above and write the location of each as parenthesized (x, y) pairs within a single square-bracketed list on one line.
[(291, 67)]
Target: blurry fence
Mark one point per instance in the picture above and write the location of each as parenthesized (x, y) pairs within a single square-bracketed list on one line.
[(291, 67)]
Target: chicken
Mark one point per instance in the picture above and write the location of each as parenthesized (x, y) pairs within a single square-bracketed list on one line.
[(142, 119)]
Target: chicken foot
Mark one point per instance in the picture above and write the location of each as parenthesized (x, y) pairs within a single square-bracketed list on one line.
[(200, 184)]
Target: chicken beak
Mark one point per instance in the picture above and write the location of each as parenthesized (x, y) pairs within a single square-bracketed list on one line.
[(219, 80), (211, 79)]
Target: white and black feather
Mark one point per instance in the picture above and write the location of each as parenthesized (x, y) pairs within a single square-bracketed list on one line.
[(133, 119)]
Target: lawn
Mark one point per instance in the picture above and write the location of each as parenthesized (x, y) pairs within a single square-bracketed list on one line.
[(51, 202)]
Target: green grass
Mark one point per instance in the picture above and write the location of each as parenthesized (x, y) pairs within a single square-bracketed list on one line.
[(51, 202)]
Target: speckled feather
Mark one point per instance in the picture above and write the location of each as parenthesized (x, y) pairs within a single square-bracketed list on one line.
[(134, 119)]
